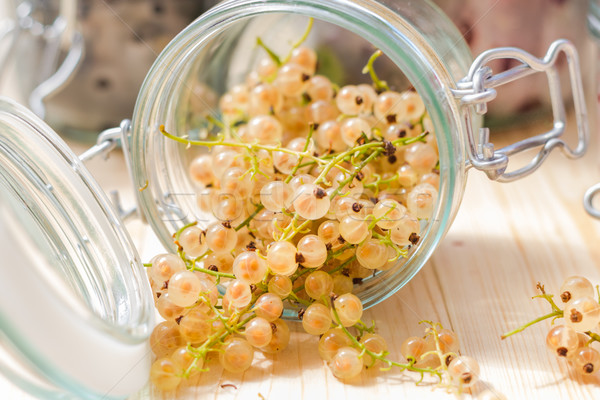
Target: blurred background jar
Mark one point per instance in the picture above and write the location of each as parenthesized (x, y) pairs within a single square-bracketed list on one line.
[(79, 64), (531, 25)]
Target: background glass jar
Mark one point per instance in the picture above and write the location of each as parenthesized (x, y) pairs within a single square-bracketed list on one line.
[(79, 64), (423, 50)]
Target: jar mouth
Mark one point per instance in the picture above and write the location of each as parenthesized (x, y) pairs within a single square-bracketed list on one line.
[(77, 285), (219, 48)]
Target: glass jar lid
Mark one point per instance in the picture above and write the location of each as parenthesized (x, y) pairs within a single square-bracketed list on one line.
[(76, 308)]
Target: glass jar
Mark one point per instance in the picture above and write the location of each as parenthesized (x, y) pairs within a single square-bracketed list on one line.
[(69, 58), (76, 309), (72, 247)]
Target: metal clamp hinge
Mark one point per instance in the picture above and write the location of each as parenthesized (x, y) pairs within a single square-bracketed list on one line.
[(477, 89), (108, 140)]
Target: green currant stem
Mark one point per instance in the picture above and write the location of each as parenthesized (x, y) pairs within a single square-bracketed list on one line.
[(381, 356), (147, 265), (598, 292), (378, 182), (178, 233), (214, 273), (270, 52), (594, 336), (556, 314), (547, 297), (297, 166), (330, 272), (247, 146), (337, 158), (362, 327), (379, 84), (293, 296), (301, 40), (216, 122), (292, 230), (348, 180), (217, 337), (386, 239), (376, 220), (250, 218)]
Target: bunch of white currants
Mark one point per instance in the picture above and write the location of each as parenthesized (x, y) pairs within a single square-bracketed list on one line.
[(581, 314), (296, 225)]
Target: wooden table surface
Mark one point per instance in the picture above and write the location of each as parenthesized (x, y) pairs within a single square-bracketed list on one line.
[(479, 282)]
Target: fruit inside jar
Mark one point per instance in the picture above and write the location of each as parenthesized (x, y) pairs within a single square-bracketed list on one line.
[(310, 173)]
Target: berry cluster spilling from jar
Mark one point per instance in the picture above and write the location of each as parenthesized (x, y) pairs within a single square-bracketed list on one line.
[(311, 189), (580, 325)]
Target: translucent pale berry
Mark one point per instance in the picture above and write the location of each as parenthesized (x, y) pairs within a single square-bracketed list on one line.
[(321, 111), (413, 347), (236, 181), (319, 88), (318, 284), (269, 307), (248, 267), (352, 129), (166, 308), (342, 284), (312, 251), (306, 58), (353, 230), (163, 374), (221, 237), (388, 107), (201, 170), (562, 340), (291, 80), (236, 355), (239, 294), (331, 341), (413, 105), (195, 326), (281, 258), (372, 254), (280, 285), (407, 231), (349, 309), (184, 288), (276, 195), (165, 338), (258, 332), (448, 341), (346, 363), (582, 314), (328, 136), (316, 319), (464, 370), (311, 202), (421, 200), (421, 156), (375, 343), (185, 362), (164, 266), (350, 100), (586, 360), (389, 213), (193, 241), (329, 232), (574, 287), (280, 337), (263, 99)]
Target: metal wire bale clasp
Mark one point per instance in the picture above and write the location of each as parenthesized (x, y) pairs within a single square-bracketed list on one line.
[(477, 89)]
